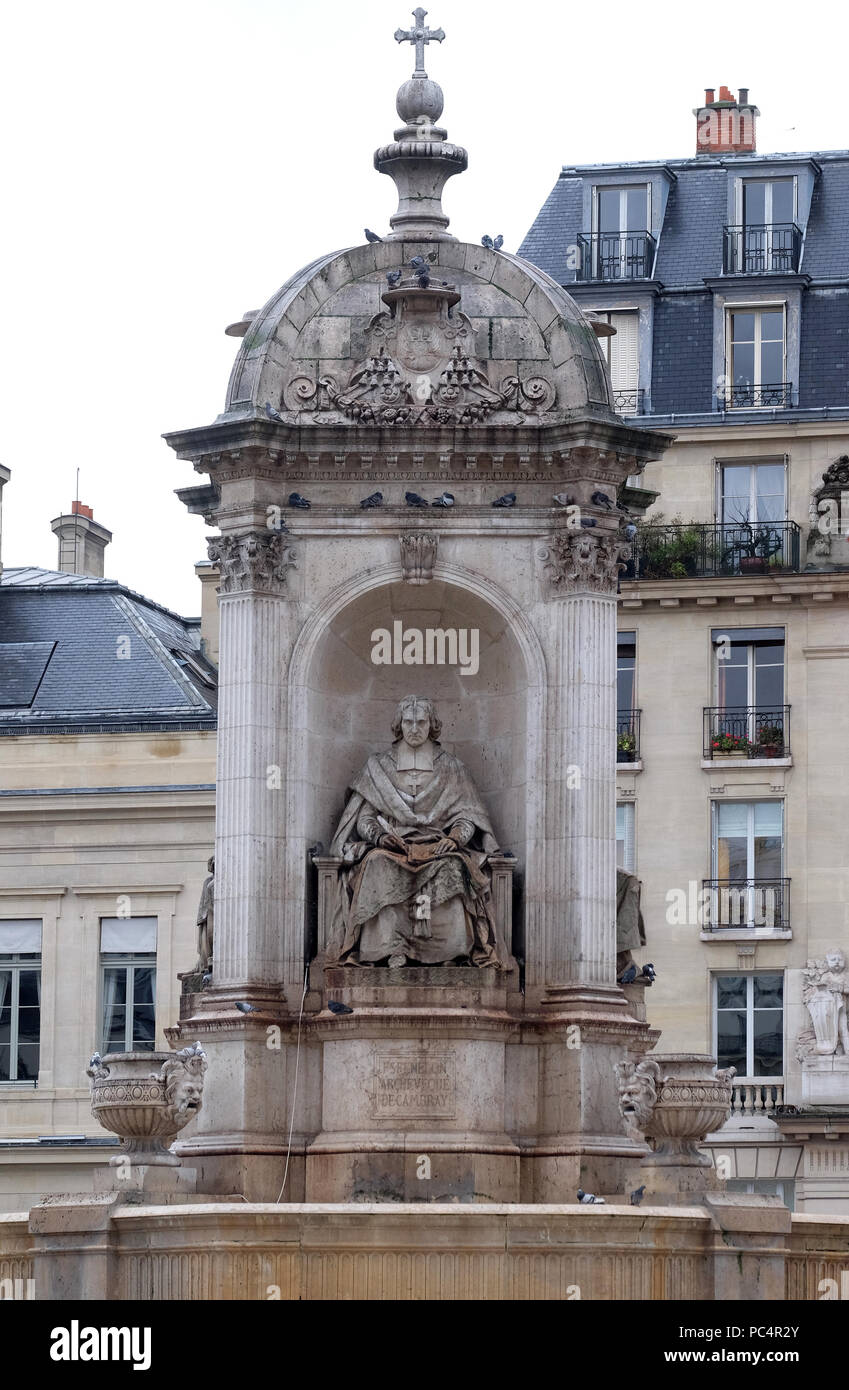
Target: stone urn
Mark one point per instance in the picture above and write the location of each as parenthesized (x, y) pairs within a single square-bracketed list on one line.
[(146, 1098), (675, 1100)]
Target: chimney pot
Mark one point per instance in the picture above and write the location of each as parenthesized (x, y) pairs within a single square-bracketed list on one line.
[(709, 96), (743, 99), (82, 541), (723, 126)]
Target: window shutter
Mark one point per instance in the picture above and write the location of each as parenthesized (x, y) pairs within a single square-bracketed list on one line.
[(127, 935), (20, 936), (624, 352)]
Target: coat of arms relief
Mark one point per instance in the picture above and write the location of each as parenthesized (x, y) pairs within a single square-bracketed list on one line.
[(420, 369)]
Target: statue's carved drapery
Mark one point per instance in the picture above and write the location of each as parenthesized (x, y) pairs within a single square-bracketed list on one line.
[(414, 839)]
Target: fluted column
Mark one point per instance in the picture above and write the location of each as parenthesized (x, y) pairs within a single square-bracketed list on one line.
[(579, 940), (250, 816)]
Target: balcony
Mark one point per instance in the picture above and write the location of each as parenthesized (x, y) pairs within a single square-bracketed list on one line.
[(755, 1099), (769, 248), (748, 397), (745, 904), (628, 735), (629, 402), (610, 256), (747, 731), (696, 550)]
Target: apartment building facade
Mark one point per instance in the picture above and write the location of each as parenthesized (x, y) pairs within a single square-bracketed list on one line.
[(725, 278)]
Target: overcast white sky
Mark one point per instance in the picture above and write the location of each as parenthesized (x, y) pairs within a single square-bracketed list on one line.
[(168, 164)]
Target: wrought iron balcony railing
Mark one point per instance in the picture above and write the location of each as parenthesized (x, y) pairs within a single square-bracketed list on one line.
[(766, 248), (747, 731), (628, 402), (694, 550), (616, 255), (628, 735), (745, 903), (747, 397)]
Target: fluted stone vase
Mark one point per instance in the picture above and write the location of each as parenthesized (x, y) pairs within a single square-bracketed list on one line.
[(693, 1100), (146, 1098)]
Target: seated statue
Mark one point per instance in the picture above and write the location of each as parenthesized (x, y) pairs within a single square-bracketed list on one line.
[(414, 839)]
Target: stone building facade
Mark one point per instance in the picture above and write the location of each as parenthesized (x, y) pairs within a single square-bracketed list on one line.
[(726, 278)]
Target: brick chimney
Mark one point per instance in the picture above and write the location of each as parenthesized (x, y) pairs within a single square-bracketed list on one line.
[(725, 124), (82, 541)]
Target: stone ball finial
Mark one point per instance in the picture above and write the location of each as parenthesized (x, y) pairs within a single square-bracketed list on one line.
[(417, 98)]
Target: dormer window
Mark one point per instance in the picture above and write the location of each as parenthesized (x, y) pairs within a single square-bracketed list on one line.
[(765, 239), (756, 358), (620, 246)]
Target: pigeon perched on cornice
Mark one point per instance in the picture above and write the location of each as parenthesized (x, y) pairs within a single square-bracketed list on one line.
[(374, 500), (336, 1008), (296, 500), (508, 500), (446, 500), (488, 243), (272, 413), (393, 276), (588, 1198), (372, 236), (637, 1195), (649, 972), (245, 1008), (498, 243), (588, 521), (601, 499), (628, 975), (413, 500), (424, 279)]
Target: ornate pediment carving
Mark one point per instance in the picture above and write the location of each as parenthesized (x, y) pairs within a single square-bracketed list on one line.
[(420, 370)]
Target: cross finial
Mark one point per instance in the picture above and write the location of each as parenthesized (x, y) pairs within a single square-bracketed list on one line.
[(419, 36)]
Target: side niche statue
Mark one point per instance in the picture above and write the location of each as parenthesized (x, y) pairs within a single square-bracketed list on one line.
[(414, 840), (825, 990), (206, 921)]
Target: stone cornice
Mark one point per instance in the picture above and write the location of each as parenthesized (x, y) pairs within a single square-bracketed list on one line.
[(740, 591)]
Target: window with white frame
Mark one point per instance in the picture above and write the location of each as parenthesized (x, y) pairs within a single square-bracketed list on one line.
[(748, 856), (128, 984), (20, 1000), (625, 850), (754, 492), (622, 354), (623, 248), (749, 1023), (768, 236), (756, 357)]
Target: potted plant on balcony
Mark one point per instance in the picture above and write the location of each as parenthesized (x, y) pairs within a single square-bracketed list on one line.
[(751, 547), (626, 747), (770, 741), (670, 549), (729, 746)]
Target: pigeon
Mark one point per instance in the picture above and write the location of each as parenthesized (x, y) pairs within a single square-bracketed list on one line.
[(649, 972), (317, 848), (487, 242), (413, 500), (205, 979), (375, 499), (628, 976), (96, 1060), (588, 1198), (498, 243), (588, 521), (272, 413), (393, 276), (418, 263), (565, 499), (637, 1195), (446, 500), (601, 499), (508, 500), (372, 236), (245, 1008), (424, 279), (336, 1008), (296, 500)]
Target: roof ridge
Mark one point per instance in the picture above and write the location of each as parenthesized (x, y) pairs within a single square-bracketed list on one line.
[(77, 582)]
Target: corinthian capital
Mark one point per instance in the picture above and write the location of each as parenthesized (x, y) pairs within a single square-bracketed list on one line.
[(255, 560), (573, 561)]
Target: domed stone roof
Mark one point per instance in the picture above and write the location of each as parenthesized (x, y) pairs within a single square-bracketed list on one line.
[(464, 336)]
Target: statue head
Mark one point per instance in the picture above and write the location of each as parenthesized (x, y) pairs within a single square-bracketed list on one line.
[(210, 864), (835, 961), (416, 721), (183, 1076), (638, 1085)]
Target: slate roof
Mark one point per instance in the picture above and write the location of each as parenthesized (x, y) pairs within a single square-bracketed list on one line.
[(116, 661), (690, 245)]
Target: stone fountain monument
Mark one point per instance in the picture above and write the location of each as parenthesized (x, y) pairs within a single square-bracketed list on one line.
[(445, 411), (404, 1010)]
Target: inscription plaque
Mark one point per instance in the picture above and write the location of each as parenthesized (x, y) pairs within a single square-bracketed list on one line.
[(414, 1085)]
